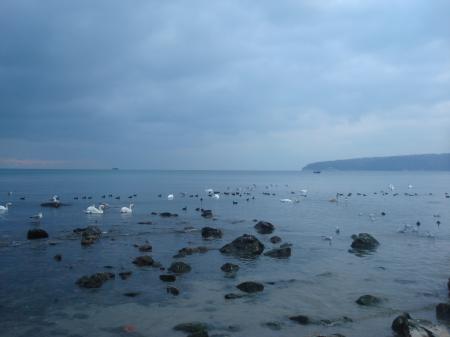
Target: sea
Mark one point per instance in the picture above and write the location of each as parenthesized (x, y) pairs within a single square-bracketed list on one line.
[(407, 212)]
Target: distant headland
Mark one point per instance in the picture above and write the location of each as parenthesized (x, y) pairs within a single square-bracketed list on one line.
[(419, 162)]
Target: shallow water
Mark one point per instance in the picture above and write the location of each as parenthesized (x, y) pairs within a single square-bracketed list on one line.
[(408, 271)]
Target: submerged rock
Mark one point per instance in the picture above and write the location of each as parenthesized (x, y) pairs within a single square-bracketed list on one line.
[(167, 278), (279, 252), (229, 267), (57, 257), (34, 234), (132, 293), (209, 232), (191, 250), (89, 235), (301, 319), (368, 300), (232, 296), (180, 268), (250, 287), (173, 291), (364, 241), (145, 248), (191, 327), (168, 215), (125, 274), (443, 312), (143, 261), (244, 246), (207, 213), (405, 326), (275, 239), (94, 280), (264, 227)]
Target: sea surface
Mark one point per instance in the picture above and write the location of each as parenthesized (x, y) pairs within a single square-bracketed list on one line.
[(322, 279)]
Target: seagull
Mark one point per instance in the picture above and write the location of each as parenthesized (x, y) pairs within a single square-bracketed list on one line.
[(216, 196), (94, 210), (127, 209), (327, 238), (6, 207), (37, 216), (170, 197), (289, 201), (209, 191)]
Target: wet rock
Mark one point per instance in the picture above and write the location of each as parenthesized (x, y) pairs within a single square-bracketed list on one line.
[(57, 257), (191, 327), (180, 268), (145, 223), (279, 252), (232, 296), (191, 250), (276, 326), (167, 278), (301, 319), (95, 280), (145, 248), (207, 213), (209, 232), (143, 261), (125, 274), (132, 293), (229, 267), (37, 233), (168, 215), (368, 300), (443, 311), (250, 287), (275, 239), (405, 326), (89, 235), (264, 227), (244, 246), (173, 291), (364, 241)]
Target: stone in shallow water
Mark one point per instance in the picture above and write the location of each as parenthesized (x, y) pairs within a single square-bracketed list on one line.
[(191, 327), (34, 234), (405, 326), (443, 312), (142, 261), (209, 232), (275, 239), (279, 252), (125, 274), (300, 319), (250, 287), (244, 246), (368, 300), (229, 267), (94, 280), (179, 268), (167, 278), (364, 241), (173, 291), (264, 227)]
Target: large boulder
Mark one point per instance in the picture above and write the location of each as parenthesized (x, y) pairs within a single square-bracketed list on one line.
[(209, 232), (89, 235), (34, 234), (364, 241), (264, 227), (179, 268), (250, 287), (405, 326), (244, 246), (443, 312), (94, 280), (279, 253), (144, 261)]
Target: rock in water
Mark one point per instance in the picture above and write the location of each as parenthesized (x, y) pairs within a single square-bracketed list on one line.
[(443, 311), (143, 261), (179, 268), (167, 278), (368, 300), (244, 246), (229, 267), (173, 291), (34, 234), (279, 252), (364, 241), (209, 232), (405, 326), (207, 213), (275, 239), (264, 227), (300, 319), (89, 235), (145, 248), (192, 327), (250, 287), (95, 280)]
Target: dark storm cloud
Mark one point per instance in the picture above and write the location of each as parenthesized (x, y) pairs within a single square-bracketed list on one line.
[(225, 84)]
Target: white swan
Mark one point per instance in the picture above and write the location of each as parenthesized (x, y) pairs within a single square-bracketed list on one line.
[(170, 197), (304, 192), (127, 209), (38, 216), (94, 210), (6, 207), (209, 191), (216, 196)]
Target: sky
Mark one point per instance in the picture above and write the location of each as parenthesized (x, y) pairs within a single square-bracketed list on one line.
[(226, 84)]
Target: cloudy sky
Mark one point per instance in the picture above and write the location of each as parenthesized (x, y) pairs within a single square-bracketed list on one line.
[(226, 84)]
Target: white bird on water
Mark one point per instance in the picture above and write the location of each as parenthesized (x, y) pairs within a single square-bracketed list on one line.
[(94, 210), (6, 207), (170, 197), (38, 216), (288, 201), (303, 192), (127, 209), (216, 196), (391, 187)]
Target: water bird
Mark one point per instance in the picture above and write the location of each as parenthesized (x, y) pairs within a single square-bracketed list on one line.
[(327, 238), (37, 216), (94, 210), (235, 202), (410, 186), (22, 198), (216, 196), (184, 208), (127, 209), (337, 230), (289, 201), (304, 192), (391, 187), (6, 207), (170, 197)]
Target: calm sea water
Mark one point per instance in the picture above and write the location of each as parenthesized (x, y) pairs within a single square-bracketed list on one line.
[(409, 271)]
